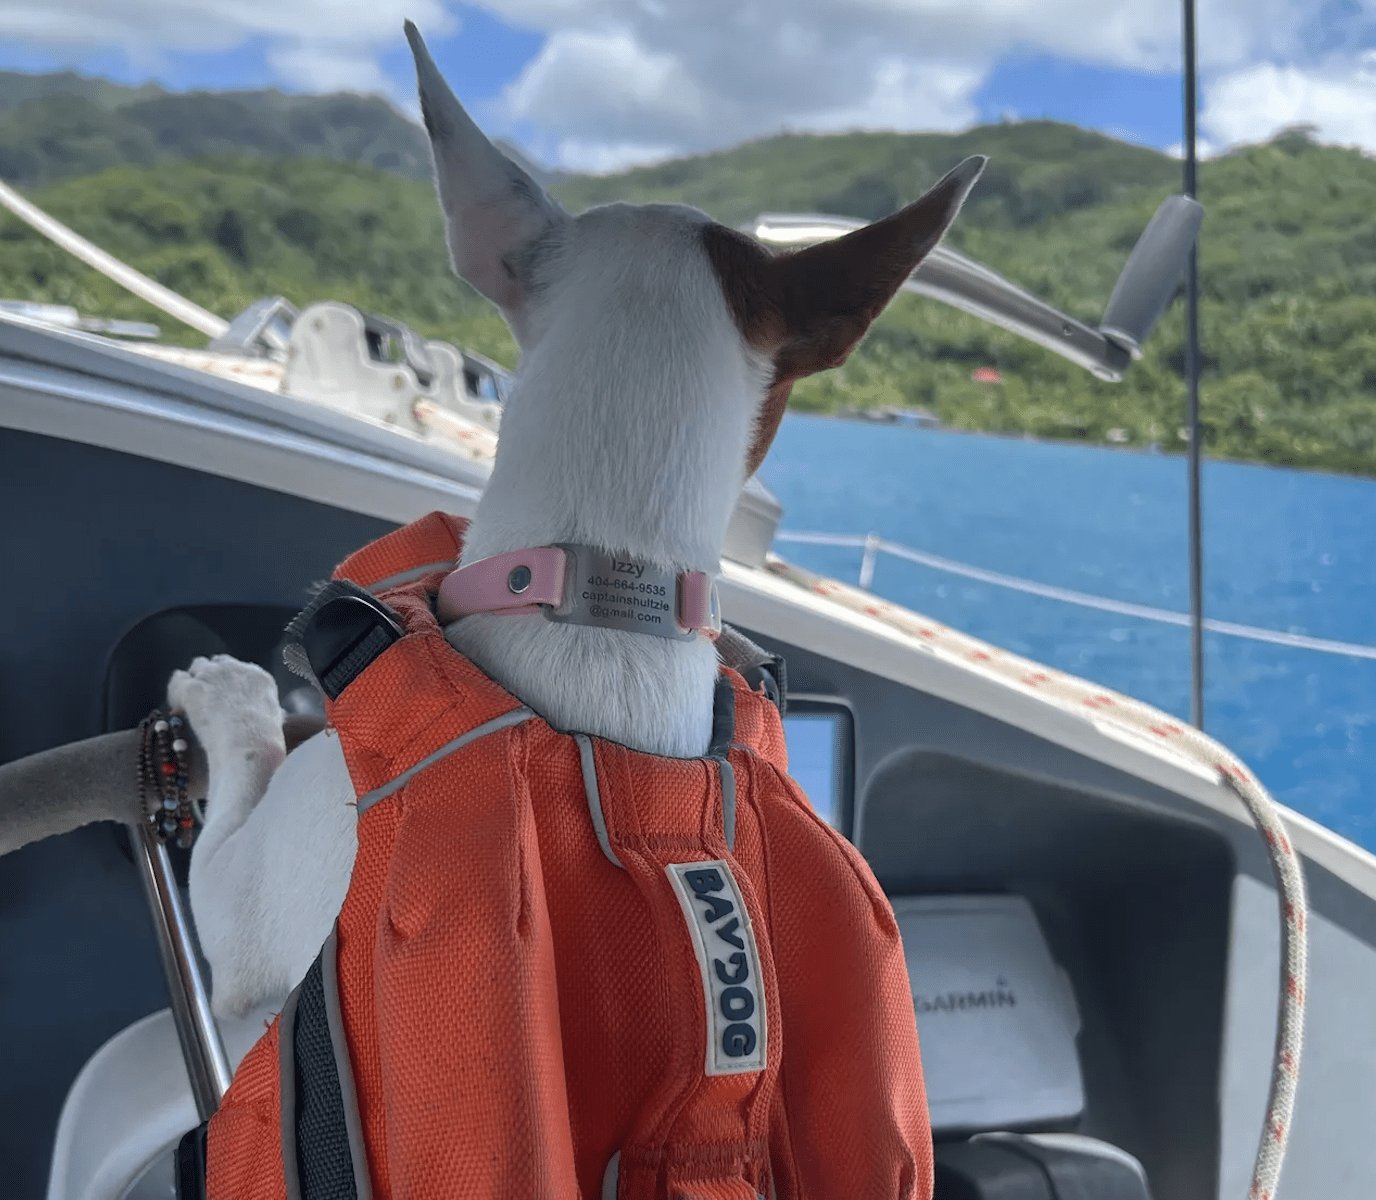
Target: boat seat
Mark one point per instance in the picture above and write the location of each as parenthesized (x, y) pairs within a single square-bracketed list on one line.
[(129, 1107), (998, 1023)]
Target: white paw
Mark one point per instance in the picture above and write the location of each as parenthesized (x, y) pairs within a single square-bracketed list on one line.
[(232, 709)]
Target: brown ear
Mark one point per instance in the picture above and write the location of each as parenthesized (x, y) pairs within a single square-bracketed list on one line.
[(809, 309)]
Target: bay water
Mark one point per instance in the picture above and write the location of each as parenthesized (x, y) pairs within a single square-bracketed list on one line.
[(1293, 551)]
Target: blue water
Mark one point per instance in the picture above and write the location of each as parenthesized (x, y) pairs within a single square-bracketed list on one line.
[(1287, 550)]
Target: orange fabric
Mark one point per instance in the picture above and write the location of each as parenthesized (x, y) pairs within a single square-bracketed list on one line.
[(436, 538), (248, 1128), (518, 1008)]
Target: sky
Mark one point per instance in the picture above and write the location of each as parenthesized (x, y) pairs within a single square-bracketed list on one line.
[(604, 84)]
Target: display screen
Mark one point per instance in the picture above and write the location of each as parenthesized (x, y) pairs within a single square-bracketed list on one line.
[(816, 758)]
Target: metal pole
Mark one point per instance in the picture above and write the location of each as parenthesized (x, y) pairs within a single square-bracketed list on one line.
[(867, 560), (184, 310), (206, 1063), (1192, 389)]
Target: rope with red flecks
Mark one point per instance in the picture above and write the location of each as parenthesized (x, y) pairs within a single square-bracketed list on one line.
[(1294, 970), (1072, 694)]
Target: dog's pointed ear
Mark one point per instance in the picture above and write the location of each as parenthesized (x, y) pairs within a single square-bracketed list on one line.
[(494, 212), (830, 293), (808, 310)]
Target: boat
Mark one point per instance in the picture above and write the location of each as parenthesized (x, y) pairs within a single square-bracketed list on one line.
[(1096, 928)]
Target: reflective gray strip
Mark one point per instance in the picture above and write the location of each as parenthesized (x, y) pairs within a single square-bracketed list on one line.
[(514, 717), (286, 1064), (334, 1019), (599, 822), (611, 1180), (728, 803), (412, 575), (611, 1177)]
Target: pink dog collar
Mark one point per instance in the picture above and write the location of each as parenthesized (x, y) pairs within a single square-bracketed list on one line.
[(582, 585)]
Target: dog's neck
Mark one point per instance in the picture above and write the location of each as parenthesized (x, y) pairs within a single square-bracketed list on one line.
[(626, 430)]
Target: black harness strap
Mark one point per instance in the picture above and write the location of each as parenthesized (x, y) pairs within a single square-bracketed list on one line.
[(190, 1164), (756, 665), (323, 1156), (332, 641), (317, 1163)]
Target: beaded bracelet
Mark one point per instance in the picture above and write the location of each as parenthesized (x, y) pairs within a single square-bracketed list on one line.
[(162, 774)]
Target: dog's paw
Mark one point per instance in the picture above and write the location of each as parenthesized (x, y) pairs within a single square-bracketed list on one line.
[(232, 709)]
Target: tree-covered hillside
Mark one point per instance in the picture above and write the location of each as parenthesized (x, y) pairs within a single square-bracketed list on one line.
[(224, 232), (1037, 170), (63, 125), (1288, 267)]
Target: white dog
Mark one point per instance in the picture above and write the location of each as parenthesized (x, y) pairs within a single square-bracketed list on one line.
[(658, 349)]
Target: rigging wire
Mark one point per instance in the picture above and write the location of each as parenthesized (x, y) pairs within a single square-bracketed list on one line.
[(872, 544), (1192, 386)]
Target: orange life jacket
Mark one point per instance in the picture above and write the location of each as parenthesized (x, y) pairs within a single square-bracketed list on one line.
[(567, 969)]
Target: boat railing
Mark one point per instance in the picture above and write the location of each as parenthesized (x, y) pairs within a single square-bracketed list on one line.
[(872, 545)]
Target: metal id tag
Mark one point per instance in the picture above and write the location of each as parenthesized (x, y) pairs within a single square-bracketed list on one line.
[(618, 593)]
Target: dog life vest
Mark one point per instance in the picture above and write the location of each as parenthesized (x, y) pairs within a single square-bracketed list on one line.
[(565, 969)]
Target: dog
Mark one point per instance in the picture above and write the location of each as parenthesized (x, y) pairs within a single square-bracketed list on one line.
[(658, 350)]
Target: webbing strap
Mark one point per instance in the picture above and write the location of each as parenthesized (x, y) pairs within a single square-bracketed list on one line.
[(336, 637), (756, 665), (594, 797), (322, 1144), (190, 1164), (723, 728)]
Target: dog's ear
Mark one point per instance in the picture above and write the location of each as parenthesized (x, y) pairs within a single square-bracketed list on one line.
[(494, 212), (809, 309)]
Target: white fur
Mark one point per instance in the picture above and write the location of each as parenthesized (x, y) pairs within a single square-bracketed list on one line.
[(627, 428), (272, 864)]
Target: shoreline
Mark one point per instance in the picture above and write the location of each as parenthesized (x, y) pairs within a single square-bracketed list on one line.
[(1082, 443)]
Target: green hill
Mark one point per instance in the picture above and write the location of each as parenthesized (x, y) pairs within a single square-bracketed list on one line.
[(1288, 267), (16, 87), (224, 232), (1037, 170), (63, 125)]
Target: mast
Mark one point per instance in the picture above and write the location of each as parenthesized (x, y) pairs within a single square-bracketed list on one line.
[(1192, 387)]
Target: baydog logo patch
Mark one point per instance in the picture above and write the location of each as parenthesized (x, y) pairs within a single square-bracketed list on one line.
[(730, 964)]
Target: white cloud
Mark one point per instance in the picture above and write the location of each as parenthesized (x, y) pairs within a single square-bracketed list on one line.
[(601, 157), (313, 45), (1338, 98), (320, 67), (607, 81), (907, 94), (583, 87), (624, 81), (645, 88), (1203, 148), (618, 79)]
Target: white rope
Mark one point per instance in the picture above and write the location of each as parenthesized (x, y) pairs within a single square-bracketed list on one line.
[(1294, 972), (184, 310), (1123, 608), (1074, 695)]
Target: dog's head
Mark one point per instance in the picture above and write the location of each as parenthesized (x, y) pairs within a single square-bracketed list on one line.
[(795, 313)]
